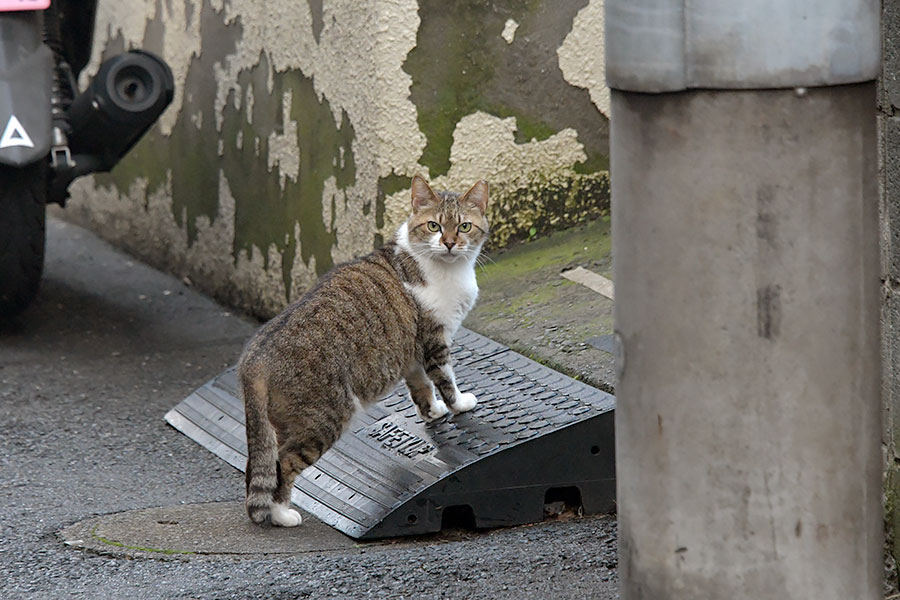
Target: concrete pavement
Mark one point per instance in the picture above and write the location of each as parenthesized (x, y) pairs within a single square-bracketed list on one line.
[(85, 378)]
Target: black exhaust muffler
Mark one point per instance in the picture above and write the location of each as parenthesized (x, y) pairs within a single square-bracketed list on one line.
[(128, 94)]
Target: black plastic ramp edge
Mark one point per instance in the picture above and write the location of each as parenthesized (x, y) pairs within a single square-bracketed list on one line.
[(535, 434)]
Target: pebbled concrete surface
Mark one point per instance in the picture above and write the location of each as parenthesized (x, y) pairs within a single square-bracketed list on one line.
[(85, 378)]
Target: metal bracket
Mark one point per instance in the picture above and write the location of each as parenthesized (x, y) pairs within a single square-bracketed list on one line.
[(61, 158), (60, 155)]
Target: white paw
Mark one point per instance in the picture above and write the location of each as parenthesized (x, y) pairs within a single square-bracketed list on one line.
[(285, 516), (437, 410), (465, 402)]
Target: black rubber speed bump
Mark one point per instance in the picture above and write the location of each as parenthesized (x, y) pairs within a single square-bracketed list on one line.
[(535, 436)]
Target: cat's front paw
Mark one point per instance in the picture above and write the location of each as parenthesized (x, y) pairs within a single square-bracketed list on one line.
[(436, 410), (284, 516), (465, 402)]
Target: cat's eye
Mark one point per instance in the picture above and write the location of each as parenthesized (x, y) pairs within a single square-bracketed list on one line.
[(464, 227), (433, 226)]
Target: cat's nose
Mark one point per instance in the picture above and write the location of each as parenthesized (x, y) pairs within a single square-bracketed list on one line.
[(449, 245)]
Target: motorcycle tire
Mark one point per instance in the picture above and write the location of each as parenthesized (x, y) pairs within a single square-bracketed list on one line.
[(23, 198)]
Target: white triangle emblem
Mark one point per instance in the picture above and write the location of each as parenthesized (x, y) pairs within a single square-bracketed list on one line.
[(15, 135)]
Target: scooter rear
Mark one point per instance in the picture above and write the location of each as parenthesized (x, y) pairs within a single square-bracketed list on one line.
[(50, 133)]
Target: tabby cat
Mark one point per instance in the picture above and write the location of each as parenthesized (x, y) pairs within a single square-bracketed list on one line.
[(366, 325)]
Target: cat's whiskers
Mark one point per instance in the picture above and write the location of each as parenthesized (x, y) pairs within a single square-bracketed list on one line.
[(485, 257), (418, 251), (425, 250), (482, 260)]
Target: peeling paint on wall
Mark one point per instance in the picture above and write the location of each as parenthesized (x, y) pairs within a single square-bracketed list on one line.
[(266, 212), (284, 146), (509, 31), (296, 127), (462, 65), (208, 261), (582, 60)]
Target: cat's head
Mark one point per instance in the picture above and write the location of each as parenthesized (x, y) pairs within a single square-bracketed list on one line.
[(447, 226)]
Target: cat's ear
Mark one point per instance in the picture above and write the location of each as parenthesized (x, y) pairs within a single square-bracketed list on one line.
[(477, 196), (422, 194)]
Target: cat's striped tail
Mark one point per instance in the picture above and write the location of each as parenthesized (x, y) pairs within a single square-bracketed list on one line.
[(262, 449)]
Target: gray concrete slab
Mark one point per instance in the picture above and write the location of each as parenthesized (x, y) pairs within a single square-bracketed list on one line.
[(746, 260), (86, 376)]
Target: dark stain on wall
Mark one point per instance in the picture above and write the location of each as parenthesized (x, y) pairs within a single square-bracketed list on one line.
[(768, 311), (387, 186), (318, 22), (154, 31)]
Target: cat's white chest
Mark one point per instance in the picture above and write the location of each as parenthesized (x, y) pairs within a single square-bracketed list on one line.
[(450, 289), (449, 293)]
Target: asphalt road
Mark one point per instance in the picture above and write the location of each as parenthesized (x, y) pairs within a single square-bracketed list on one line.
[(86, 376)]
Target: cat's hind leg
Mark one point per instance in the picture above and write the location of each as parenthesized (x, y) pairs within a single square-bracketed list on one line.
[(422, 393), (289, 466), (300, 450), (262, 474)]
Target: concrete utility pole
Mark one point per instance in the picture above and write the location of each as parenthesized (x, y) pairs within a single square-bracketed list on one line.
[(745, 230)]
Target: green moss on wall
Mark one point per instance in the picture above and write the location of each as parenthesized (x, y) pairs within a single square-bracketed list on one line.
[(318, 22), (461, 65), (387, 186), (264, 213)]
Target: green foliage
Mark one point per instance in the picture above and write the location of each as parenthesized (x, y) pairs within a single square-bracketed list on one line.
[(545, 204)]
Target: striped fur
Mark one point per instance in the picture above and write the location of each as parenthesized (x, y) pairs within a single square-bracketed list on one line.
[(366, 325)]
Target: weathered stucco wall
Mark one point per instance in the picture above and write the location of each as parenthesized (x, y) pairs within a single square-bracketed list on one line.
[(296, 127)]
